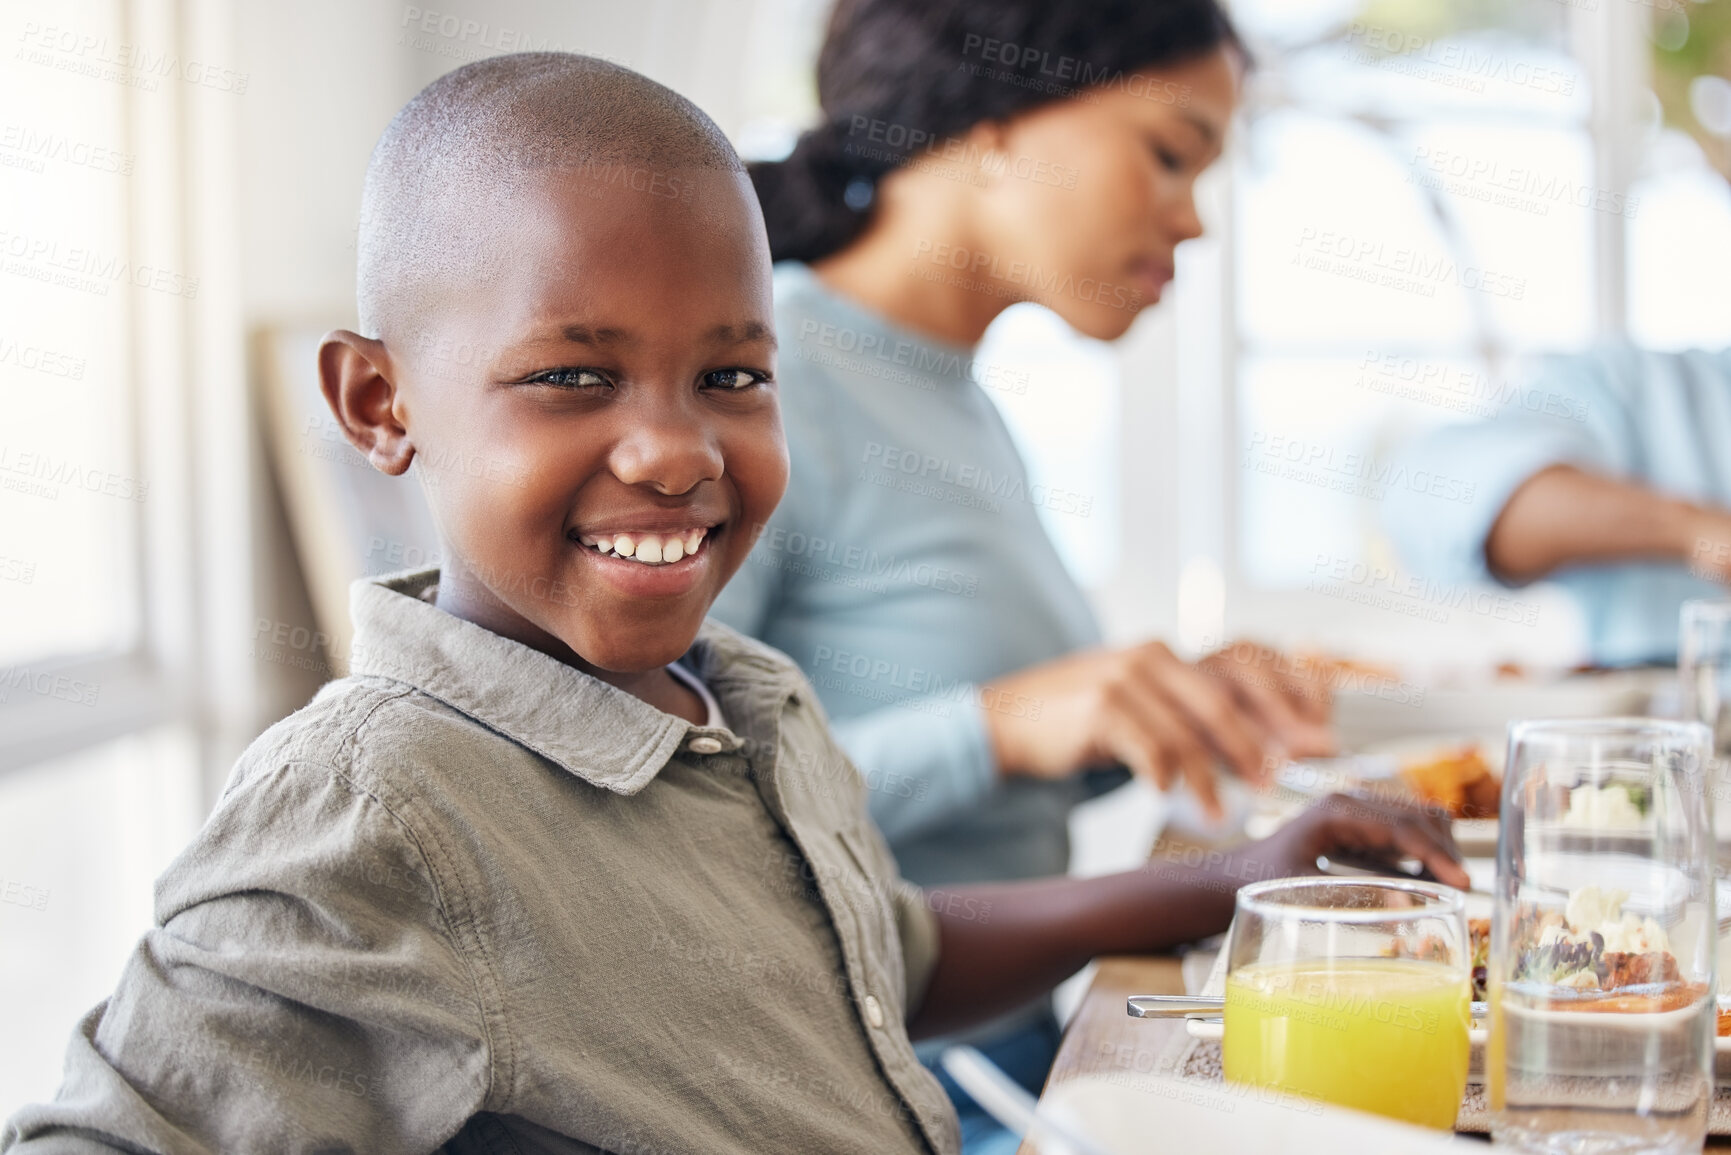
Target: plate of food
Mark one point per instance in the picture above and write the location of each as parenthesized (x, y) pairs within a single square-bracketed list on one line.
[(1460, 774)]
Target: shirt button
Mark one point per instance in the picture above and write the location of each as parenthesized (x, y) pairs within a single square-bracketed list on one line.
[(706, 745), (874, 1012)]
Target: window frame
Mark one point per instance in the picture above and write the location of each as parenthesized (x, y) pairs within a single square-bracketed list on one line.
[(186, 417), (1212, 598)]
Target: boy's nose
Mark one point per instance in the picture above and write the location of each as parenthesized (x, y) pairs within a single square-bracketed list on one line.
[(670, 452)]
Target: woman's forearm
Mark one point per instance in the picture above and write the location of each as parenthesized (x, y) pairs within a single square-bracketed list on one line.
[(1562, 516)]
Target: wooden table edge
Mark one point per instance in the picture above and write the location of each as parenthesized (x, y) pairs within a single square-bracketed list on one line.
[(1100, 1037)]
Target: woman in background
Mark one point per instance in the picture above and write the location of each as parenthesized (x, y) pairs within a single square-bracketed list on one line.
[(973, 154)]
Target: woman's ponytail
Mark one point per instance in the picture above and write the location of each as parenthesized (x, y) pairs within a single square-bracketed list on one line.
[(818, 199)]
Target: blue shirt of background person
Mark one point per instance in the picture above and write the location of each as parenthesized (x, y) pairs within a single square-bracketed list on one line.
[(972, 155), (1608, 472)]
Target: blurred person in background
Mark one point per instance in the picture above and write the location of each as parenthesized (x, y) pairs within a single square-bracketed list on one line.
[(1607, 472), (972, 155)]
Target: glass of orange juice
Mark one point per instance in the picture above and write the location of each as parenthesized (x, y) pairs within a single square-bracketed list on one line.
[(1357, 993)]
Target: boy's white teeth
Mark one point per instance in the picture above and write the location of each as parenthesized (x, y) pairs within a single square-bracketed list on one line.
[(648, 548)]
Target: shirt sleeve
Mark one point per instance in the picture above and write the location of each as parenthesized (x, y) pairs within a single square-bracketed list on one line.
[(1458, 478), (300, 991), (925, 760)]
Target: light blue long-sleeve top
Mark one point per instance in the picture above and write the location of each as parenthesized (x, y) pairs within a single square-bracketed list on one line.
[(1663, 419), (904, 569)]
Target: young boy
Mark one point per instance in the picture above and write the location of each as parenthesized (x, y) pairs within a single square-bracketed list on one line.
[(560, 867)]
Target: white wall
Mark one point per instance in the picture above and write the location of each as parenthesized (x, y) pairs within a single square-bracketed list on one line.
[(327, 75)]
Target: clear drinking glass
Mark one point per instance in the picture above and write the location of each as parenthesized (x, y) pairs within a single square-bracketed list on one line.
[(1602, 941), (1353, 992)]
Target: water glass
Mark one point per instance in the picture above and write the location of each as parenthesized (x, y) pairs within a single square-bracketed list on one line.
[(1352, 992), (1601, 978)]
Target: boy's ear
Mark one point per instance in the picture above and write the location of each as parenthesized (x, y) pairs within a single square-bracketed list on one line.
[(356, 376)]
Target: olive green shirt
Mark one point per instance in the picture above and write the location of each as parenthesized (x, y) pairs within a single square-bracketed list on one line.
[(470, 899)]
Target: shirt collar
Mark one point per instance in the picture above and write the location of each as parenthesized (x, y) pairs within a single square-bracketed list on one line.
[(591, 729)]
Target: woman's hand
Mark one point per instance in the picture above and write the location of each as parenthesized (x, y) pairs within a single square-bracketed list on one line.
[(1162, 717)]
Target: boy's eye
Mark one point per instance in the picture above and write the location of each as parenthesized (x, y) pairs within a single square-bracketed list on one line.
[(1168, 159), (734, 379), (571, 378)]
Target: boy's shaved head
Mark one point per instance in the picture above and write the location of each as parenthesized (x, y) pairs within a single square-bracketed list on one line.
[(566, 284), (473, 137)]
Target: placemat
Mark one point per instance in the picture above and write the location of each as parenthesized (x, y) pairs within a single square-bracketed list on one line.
[(1199, 1059)]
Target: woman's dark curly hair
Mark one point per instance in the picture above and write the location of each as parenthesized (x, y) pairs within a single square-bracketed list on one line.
[(895, 77)]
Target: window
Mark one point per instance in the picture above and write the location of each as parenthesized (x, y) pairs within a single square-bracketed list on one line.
[(123, 440), (70, 490), (125, 569), (1058, 392), (1421, 194)]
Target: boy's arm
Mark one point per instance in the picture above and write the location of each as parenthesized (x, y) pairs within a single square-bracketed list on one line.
[(1037, 934), (302, 990)]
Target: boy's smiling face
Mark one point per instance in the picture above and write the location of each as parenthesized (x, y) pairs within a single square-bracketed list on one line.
[(621, 402)]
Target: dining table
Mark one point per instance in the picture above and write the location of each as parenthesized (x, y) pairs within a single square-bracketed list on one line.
[(1101, 1037)]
